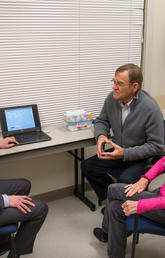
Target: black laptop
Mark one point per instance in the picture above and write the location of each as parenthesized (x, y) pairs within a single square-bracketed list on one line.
[(23, 123)]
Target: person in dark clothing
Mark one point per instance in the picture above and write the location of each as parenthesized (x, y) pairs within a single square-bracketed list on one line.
[(17, 206)]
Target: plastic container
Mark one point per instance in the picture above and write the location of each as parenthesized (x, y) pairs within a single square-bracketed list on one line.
[(78, 119)]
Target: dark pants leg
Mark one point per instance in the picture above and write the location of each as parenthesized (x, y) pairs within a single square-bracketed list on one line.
[(30, 222), (12, 187), (19, 186), (29, 226), (114, 218), (96, 171)]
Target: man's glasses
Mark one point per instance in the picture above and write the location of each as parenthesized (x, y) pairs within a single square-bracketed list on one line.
[(119, 83)]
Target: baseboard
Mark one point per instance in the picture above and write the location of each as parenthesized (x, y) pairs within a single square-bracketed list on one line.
[(58, 194)]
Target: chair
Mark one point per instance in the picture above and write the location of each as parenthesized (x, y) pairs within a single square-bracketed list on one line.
[(139, 224), (10, 229)]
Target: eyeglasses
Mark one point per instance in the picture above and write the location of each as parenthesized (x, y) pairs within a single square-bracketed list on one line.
[(120, 84)]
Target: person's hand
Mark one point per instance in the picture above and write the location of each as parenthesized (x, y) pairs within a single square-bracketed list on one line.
[(20, 202), (8, 143), (138, 187), (129, 207), (102, 139), (118, 152)]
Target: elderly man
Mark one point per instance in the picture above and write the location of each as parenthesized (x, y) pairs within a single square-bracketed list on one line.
[(137, 124), (17, 206)]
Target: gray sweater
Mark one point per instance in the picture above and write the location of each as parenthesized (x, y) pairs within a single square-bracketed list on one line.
[(142, 134)]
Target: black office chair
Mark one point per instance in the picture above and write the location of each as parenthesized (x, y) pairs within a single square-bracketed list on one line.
[(137, 224), (10, 229)]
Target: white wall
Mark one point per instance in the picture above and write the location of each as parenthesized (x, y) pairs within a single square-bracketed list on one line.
[(154, 54), (154, 58), (46, 174), (56, 171)]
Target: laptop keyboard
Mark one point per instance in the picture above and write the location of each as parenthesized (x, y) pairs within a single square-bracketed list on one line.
[(29, 137)]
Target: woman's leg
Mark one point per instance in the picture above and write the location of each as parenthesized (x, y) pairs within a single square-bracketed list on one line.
[(114, 218)]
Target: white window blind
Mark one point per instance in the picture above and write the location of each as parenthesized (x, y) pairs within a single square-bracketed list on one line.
[(62, 54)]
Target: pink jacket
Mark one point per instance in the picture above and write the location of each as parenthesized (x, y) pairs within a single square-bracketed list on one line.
[(157, 202)]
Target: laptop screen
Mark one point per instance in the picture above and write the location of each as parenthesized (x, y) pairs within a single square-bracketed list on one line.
[(19, 118)]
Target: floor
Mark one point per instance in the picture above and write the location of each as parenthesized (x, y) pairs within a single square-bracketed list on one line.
[(67, 233)]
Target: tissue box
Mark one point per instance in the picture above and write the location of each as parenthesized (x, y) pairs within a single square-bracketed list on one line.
[(78, 119)]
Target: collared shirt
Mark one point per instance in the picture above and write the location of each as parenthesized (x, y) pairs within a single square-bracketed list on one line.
[(125, 110), (6, 200)]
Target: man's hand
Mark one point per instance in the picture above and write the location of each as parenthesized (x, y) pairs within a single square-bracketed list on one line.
[(118, 152), (20, 202), (8, 143), (129, 207), (138, 187), (102, 139)]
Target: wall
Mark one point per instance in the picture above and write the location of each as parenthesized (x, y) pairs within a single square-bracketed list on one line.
[(46, 174), (52, 172), (154, 58), (56, 171), (154, 52)]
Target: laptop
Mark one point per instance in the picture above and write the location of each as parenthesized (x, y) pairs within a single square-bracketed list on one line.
[(23, 123)]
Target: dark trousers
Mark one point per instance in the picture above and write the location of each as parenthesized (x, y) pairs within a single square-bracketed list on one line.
[(114, 217), (30, 222), (96, 171)]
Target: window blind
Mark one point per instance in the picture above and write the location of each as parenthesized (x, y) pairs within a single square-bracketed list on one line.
[(62, 54)]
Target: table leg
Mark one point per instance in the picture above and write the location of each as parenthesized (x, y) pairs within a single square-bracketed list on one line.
[(77, 193), (82, 176)]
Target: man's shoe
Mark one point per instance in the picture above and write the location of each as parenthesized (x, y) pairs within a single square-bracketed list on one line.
[(100, 235), (103, 210)]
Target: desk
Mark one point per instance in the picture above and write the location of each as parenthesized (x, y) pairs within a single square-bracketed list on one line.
[(62, 140)]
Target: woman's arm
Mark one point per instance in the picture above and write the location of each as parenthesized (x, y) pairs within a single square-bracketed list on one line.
[(156, 203), (156, 170), (143, 205), (142, 183)]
